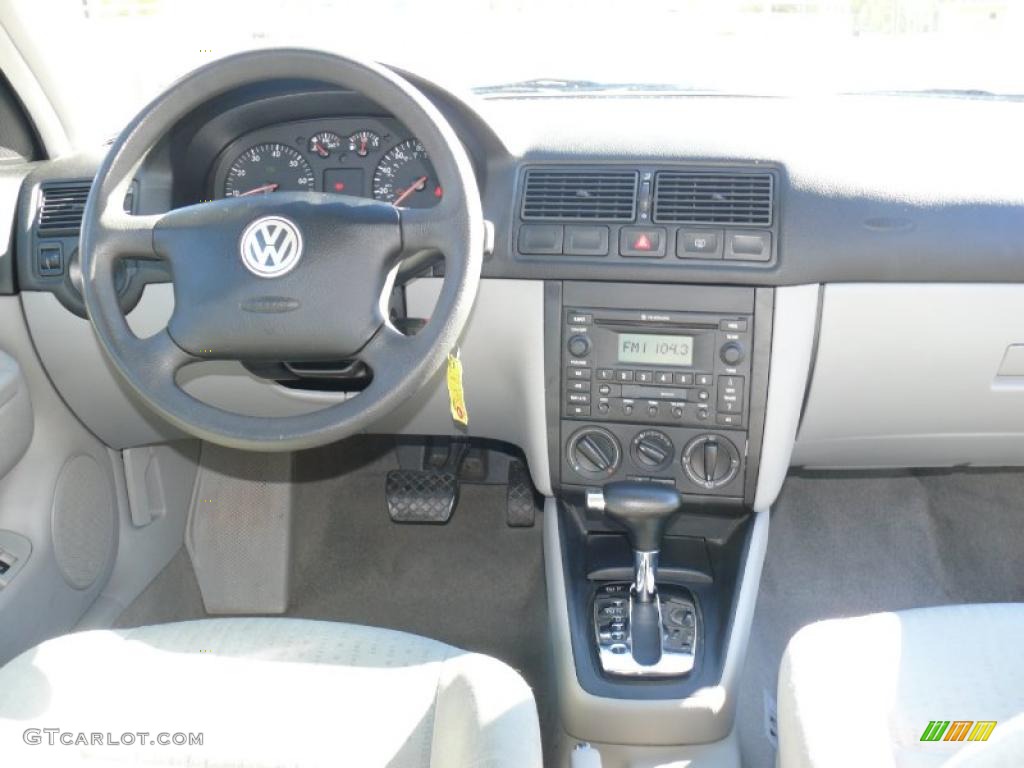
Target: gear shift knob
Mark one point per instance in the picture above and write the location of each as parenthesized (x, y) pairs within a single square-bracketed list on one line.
[(644, 509)]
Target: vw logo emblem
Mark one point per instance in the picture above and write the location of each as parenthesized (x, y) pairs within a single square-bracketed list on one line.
[(271, 246)]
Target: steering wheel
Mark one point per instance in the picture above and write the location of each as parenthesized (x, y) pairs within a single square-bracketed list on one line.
[(282, 276)]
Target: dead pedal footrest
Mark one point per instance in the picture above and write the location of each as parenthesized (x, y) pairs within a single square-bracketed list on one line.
[(420, 496)]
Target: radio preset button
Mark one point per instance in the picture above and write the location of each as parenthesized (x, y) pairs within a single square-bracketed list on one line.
[(685, 379), (605, 374), (663, 377), (622, 375), (645, 377), (705, 379)]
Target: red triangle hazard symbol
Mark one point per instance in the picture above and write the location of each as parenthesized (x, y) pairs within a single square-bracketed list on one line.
[(642, 243)]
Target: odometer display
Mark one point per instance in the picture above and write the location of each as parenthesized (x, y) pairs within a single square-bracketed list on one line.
[(269, 168), (404, 177)]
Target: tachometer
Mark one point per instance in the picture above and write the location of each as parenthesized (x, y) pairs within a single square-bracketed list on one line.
[(405, 177), (268, 168)]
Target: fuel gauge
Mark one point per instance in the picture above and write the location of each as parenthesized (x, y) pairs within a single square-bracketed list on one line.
[(324, 143), (363, 142)]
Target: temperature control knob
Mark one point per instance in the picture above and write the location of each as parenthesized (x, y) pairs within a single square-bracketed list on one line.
[(652, 449), (710, 461), (579, 346), (594, 452)]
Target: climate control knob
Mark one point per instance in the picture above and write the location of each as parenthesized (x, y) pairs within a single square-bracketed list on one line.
[(652, 449), (710, 461), (578, 346), (594, 452)]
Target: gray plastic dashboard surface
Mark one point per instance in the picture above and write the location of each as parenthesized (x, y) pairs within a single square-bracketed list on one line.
[(910, 375), (870, 188)]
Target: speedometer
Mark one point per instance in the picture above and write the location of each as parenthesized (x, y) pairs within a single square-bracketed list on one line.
[(405, 177), (268, 167)]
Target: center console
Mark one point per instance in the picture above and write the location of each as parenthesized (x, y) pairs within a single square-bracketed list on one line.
[(660, 384), (656, 402)]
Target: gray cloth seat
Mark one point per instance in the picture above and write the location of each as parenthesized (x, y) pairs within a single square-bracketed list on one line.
[(264, 692), (863, 691)]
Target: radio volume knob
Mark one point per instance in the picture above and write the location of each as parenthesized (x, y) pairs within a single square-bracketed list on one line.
[(579, 346), (732, 353)]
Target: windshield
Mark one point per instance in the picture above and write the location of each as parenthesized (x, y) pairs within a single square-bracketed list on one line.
[(102, 60)]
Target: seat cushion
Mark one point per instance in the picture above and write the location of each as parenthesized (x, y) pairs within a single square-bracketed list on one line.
[(265, 692), (862, 691)]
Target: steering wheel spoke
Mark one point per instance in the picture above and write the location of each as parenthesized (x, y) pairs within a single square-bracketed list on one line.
[(429, 229), (387, 348), (121, 235), (158, 357)]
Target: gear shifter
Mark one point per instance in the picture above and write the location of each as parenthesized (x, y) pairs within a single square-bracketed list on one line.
[(660, 631), (644, 509)]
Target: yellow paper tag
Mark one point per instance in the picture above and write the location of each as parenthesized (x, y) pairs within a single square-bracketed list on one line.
[(456, 397)]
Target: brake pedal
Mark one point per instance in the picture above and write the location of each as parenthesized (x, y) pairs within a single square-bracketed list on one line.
[(521, 508), (421, 496)]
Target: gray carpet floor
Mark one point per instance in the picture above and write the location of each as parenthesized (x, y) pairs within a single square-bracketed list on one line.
[(850, 544)]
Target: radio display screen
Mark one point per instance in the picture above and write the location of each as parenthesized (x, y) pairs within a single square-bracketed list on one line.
[(655, 349)]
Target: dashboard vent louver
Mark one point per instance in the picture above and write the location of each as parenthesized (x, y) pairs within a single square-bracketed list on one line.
[(62, 207), (693, 197), (566, 194)]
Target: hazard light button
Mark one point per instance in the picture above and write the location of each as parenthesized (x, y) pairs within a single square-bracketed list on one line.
[(642, 242)]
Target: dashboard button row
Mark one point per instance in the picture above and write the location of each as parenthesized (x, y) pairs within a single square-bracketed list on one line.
[(646, 242)]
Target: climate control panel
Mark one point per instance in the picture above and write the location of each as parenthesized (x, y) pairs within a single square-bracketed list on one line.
[(693, 461)]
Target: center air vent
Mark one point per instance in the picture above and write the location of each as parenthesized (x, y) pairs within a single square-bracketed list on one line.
[(693, 197), (62, 207), (565, 194)]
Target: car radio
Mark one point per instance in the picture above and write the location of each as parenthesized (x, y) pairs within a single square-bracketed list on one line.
[(657, 367)]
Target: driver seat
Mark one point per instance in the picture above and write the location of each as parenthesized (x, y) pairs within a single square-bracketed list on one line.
[(264, 692)]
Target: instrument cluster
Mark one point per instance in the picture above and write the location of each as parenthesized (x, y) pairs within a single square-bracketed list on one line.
[(362, 156)]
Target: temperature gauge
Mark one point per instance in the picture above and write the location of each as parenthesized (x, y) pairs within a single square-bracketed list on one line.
[(324, 143), (363, 142)]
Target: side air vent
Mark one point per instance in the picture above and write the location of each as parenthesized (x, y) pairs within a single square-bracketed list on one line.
[(692, 197), (565, 194), (62, 207)]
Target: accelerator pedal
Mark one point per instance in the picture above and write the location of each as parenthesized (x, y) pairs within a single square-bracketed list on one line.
[(522, 497)]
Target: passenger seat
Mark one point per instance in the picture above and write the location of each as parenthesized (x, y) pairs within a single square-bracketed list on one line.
[(915, 688)]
